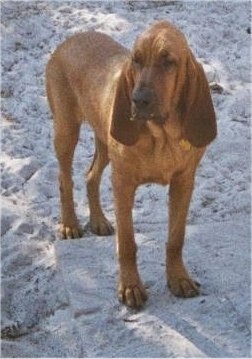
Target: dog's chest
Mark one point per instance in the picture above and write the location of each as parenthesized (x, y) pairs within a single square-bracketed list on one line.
[(160, 164), (153, 161)]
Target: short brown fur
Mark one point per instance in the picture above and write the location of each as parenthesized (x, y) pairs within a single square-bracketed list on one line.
[(159, 137)]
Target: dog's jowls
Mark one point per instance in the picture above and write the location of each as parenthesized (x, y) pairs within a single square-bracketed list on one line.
[(153, 117)]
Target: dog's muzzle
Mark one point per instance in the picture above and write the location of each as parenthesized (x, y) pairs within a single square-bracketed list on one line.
[(144, 106)]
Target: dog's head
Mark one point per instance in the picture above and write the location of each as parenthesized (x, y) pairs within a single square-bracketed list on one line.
[(161, 80)]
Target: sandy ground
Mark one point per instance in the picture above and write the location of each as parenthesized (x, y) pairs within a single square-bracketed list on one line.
[(59, 297)]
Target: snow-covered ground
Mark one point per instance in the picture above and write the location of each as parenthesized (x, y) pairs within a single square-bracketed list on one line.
[(59, 297)]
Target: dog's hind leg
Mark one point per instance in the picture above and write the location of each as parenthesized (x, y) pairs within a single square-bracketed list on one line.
[(64, 146), (66, 118), (98, 222)]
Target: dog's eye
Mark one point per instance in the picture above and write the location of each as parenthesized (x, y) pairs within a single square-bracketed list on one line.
[(137, 60), (166, 61)]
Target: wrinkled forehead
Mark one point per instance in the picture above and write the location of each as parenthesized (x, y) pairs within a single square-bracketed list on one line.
[(160, 39)]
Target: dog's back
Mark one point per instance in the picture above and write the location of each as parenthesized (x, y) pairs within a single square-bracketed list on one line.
[(84, 66)]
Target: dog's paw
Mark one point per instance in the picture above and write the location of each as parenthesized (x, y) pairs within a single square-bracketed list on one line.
[(184, 287), (70, 232), (133, 296), (101, 226)]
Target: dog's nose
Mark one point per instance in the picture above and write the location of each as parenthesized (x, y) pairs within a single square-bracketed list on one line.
[(142, 98)]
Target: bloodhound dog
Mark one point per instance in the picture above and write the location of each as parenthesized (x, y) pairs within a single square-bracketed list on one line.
[(152, 114)]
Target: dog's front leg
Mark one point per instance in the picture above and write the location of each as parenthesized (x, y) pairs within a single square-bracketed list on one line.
[(179, 281), (130, 289)]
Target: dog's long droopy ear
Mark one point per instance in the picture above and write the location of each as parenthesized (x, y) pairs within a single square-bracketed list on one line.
[(198, 116), (123, 129)]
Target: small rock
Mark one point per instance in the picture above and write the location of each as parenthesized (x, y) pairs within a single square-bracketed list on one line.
[(11, 331), (217, 88)]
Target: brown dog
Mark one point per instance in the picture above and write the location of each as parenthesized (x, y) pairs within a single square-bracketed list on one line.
[(153, 117)]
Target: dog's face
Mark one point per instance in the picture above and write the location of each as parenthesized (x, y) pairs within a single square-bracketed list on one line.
[(162, 81), (157, 59)]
